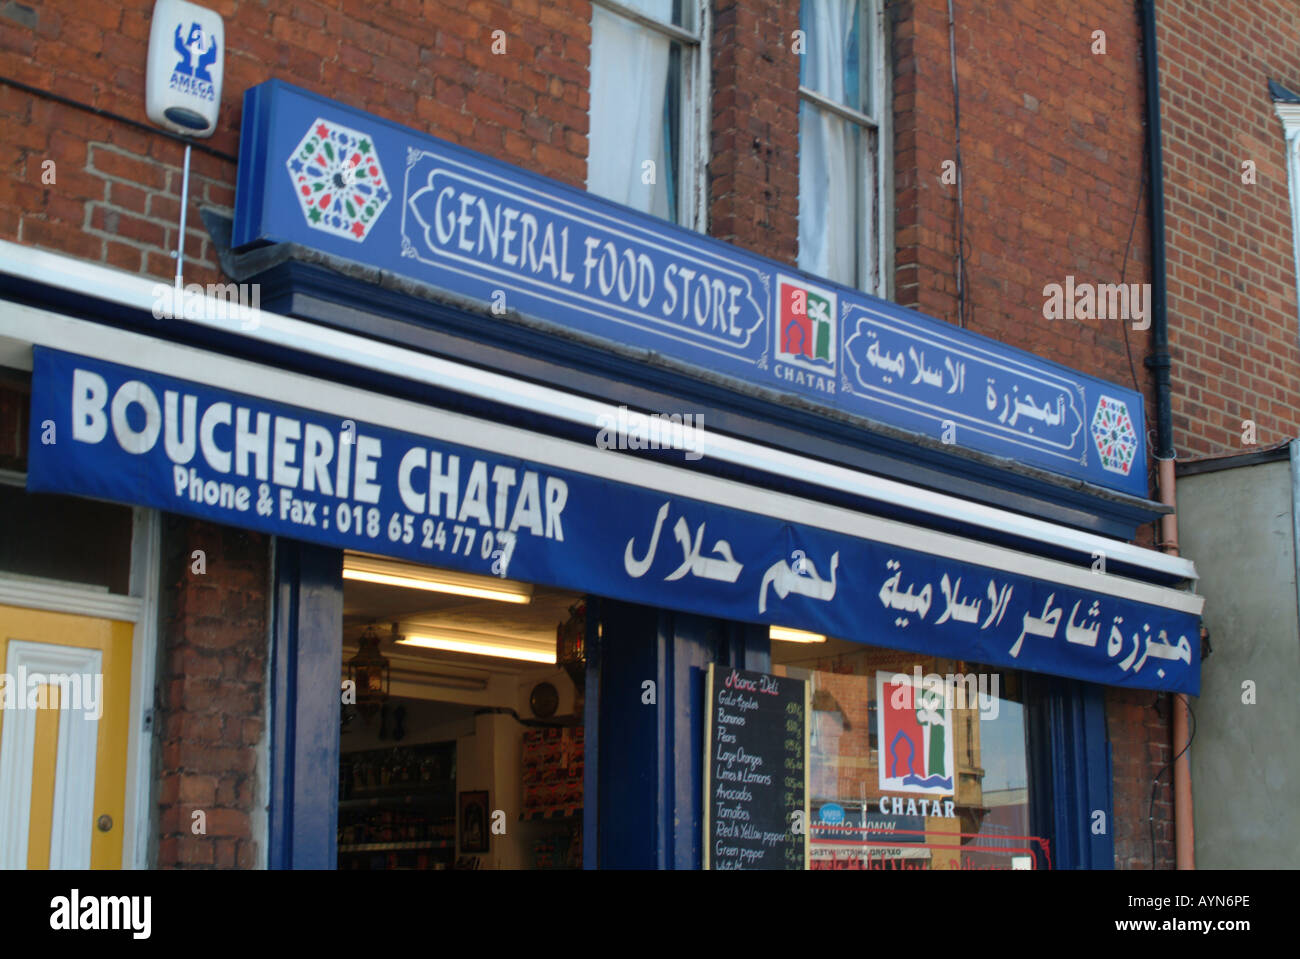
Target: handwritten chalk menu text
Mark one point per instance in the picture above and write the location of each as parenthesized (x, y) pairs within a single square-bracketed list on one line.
[(755, 771)]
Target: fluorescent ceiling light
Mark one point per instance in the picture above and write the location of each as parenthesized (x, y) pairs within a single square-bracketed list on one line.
[(787, 635), (478, 644), (371, 569)]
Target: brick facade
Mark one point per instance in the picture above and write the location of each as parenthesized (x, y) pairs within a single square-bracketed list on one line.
[(1052, 159), (211, 683), (1138, 725), (115, 199), (1232, 284), (1052, 143), (754, 139)]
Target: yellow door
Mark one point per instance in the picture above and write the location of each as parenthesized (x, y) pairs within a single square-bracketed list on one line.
[(65, 681)]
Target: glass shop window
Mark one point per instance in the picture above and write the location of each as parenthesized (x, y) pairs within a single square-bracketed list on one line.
[(915, 762)]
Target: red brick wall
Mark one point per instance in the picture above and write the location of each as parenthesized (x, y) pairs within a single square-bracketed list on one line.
[(1052, 144), (427, 64), (210, 702), (212, 694), (1140, 745), (754, 131), (1232, 284)]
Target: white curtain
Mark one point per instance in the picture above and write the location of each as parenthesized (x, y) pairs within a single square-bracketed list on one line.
[(629, 83), (829, 200)]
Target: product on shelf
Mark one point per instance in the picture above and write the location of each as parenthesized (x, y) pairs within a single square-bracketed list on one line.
[(552, 776)]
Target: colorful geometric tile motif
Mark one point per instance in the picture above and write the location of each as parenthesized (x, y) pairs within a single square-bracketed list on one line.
[(1112, 431), (338, 179)]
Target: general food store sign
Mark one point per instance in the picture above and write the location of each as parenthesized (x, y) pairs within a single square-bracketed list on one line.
[(348, 183)]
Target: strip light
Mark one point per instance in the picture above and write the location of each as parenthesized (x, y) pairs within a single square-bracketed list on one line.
[(370, 569), (787, 635), (477, 644)]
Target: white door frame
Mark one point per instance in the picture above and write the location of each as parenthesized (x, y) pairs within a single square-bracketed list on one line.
[(74, 794)]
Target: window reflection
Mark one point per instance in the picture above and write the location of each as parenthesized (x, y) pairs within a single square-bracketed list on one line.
[(953, 792)]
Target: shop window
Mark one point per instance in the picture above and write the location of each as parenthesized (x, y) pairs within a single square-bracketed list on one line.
[(462, 746), (646, 135), (842, 159), (65, 538), (915, 762)]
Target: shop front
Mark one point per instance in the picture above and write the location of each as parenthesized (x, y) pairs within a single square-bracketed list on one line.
[(544, 476)]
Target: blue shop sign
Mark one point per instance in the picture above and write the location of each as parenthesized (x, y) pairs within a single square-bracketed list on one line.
[(345, 182), (141, 437)]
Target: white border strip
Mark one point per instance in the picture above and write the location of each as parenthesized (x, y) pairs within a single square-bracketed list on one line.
[(141, 293), (135, 350), (57, 597), (72, 816), (146, 558)]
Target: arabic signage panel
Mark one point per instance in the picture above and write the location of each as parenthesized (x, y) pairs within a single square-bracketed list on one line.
[(141, 437), (332, 178)]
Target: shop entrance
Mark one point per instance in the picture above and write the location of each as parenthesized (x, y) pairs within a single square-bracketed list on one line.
[(462, 737), (65, 685)]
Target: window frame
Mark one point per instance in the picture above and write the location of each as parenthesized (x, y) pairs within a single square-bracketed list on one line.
[(695, 96), (876, 278), (1289, 114)]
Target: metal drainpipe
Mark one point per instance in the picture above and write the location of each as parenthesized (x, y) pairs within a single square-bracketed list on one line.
[(1158, 361)]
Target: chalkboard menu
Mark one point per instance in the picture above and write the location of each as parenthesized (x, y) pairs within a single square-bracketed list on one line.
[(755, 771)]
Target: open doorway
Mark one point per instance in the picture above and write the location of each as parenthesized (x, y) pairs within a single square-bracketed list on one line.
[(463, 745)]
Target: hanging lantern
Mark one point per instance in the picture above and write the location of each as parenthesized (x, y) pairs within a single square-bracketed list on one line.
[(571, 637), (368, 670)]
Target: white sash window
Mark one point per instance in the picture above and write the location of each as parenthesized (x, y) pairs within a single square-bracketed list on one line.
[(842, 153), (646, 142)]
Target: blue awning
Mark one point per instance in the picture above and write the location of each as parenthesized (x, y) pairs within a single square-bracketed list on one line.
[(285, 454)]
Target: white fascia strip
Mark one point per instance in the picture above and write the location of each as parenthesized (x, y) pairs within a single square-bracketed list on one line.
[(142, 293), (41, 327)]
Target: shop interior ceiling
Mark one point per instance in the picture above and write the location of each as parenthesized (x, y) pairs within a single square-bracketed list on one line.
[(371, 604)]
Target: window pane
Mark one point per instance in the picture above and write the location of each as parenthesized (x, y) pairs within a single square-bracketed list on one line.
[(947, 788), (832, 64), (635, 115), (66, 538), (675, 12), (830, 201)]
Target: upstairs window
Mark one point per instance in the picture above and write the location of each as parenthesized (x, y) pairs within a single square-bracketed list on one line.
[(1287, 106), (645, 145), (841, 153)]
